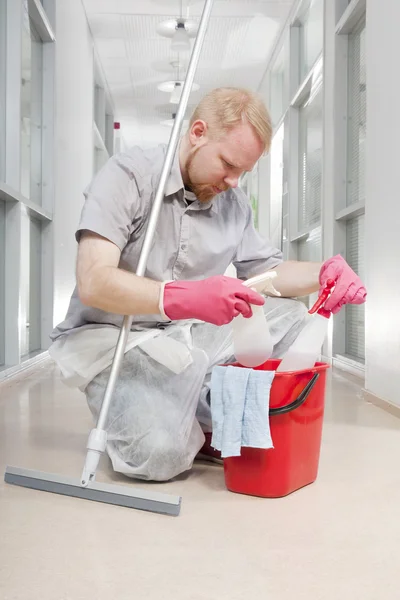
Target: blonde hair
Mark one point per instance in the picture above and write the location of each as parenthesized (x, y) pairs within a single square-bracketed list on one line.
[(223, 108)]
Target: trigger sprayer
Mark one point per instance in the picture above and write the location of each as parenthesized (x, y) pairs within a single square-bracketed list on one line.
[(306, 348)]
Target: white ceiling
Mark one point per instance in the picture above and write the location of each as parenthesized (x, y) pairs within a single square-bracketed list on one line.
[(134, 57)]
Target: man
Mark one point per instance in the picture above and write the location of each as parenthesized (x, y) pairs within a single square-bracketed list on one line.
[(160, 412)]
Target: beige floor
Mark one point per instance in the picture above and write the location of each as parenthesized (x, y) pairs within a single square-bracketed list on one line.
[(337, 539)]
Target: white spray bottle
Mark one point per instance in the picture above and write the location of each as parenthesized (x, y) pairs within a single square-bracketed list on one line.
[(252, 342), (305, 350)]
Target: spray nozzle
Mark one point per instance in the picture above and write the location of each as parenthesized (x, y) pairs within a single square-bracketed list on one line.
[(263, 283), (318, 306)]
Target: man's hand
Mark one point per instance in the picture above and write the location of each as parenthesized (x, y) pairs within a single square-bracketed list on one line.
[(349, 288), (216, 300), (297, 278)]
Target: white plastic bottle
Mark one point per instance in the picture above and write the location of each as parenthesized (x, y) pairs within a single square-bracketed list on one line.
[(306, 349), (252, 342)]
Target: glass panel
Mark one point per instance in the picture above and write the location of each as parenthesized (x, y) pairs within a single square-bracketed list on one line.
[(310, 249), (277, 100), (355, 314), (35, 278), (100, 159), (2, 89), (254, 194), (109, 140), (2, 278), (31, 278), (341, 6), (249, 185), (311, 35), (310, 166), (357, 117), (244, 184), (99, 110), (276, 195), (31, 111)]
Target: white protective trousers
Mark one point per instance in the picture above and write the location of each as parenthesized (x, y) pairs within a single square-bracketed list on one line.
[(157, 417)]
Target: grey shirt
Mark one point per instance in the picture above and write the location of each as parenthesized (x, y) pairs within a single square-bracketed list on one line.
[(192, 240)]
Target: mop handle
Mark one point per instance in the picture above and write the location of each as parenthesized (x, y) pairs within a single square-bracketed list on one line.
[(152, 224)]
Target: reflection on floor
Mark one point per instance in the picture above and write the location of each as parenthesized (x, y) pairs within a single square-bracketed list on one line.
[(336, 539)]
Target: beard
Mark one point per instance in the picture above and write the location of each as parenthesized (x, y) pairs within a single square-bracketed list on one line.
[(204, 192)]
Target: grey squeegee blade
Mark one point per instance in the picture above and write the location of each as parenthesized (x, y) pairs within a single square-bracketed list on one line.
[(98, 492)]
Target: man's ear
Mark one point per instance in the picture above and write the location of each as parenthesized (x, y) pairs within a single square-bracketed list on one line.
[(198, 132)]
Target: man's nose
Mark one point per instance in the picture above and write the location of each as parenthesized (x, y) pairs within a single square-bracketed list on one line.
[(232, 181)]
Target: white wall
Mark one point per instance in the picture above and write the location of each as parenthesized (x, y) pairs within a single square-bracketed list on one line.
[(382, 215), (73, 140), (135, 133)]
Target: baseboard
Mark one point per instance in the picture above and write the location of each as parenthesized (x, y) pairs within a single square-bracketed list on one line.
[(385, 405), (350, 366), (326, 359), (23, 367)]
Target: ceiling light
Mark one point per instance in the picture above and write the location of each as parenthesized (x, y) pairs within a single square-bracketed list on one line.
[(169, 86), (170, 122), (176, 93), (180, 41), (168, 28)]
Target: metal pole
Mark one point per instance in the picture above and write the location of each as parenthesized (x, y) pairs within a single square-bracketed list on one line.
[(98, 438)]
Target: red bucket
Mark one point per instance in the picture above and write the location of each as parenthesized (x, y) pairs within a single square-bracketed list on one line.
[(296, 413)]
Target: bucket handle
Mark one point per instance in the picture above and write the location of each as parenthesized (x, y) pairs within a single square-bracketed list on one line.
[(301, 398)]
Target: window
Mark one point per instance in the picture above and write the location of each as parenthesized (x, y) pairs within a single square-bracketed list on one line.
[(355, 314), (254, 195), (310, 163), (31, 285), (26, 38), (276, 192), (2, 278), (3, 55), (355, 193), (31, 110), (309, 249), (357, 117), (311, 30), (277, 95), (310, 149), (248, 183), (103, 124)]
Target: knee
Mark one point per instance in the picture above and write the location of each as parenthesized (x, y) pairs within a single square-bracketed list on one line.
[(275, 308), (297, 308), (161, 455)]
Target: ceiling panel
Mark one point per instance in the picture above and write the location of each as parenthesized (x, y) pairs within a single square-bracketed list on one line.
[(274, 8), (134, 57)]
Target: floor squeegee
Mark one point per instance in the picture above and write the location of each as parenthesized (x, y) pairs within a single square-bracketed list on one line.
[(87, 488)]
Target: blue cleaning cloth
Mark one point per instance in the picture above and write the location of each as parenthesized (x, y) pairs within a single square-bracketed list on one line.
[(240, 409)]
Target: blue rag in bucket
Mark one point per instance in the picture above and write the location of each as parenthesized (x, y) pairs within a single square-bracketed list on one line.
[(240, 409)]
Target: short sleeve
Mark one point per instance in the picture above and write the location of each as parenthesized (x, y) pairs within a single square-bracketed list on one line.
[(254, 254), (112, 199)]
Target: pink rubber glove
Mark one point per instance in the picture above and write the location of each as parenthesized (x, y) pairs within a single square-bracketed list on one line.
[(349, 288), (216, 300)]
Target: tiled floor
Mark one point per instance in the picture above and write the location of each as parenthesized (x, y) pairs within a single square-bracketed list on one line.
[(337, 539)]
